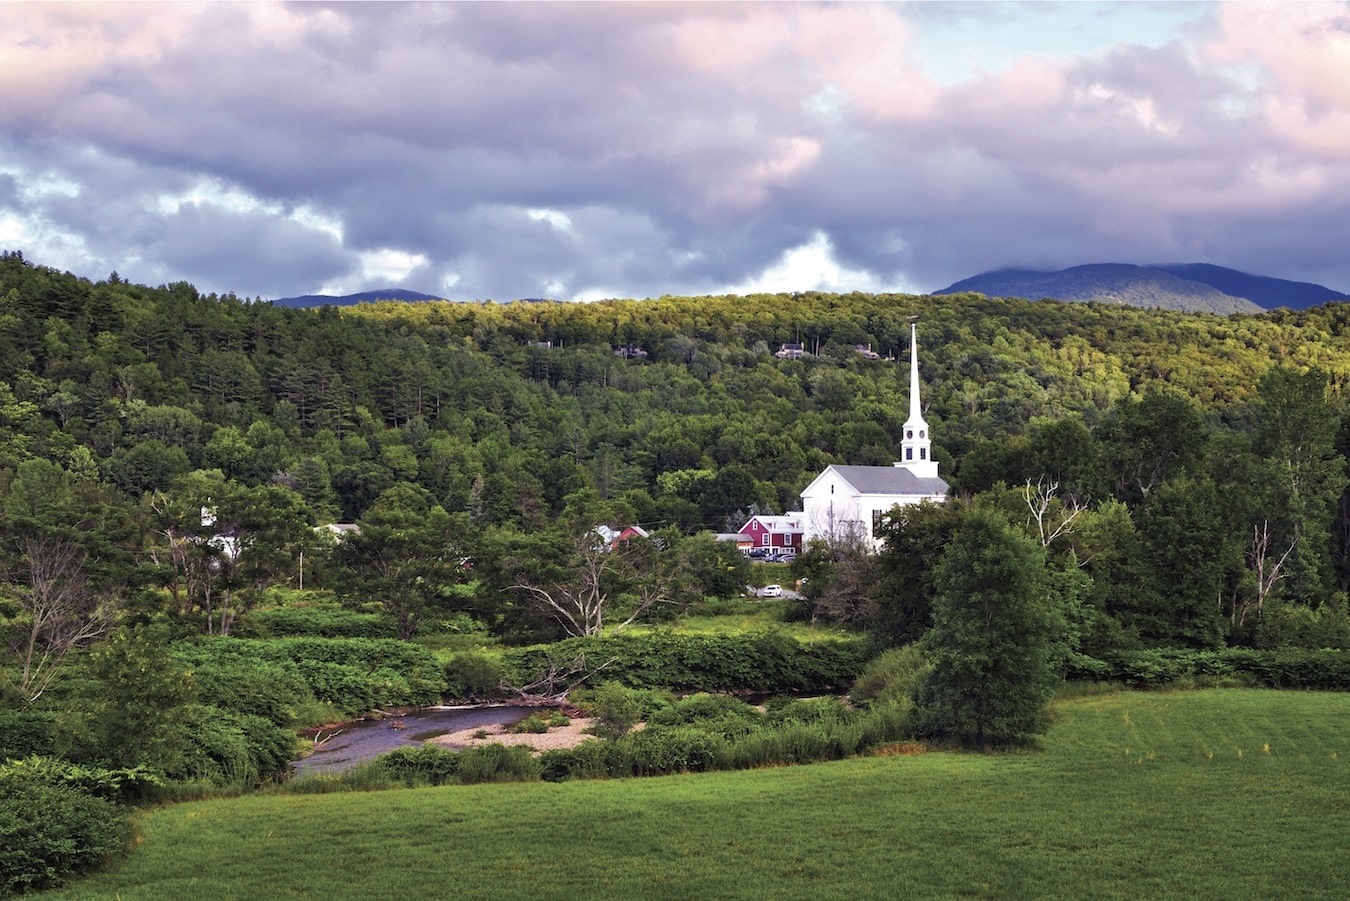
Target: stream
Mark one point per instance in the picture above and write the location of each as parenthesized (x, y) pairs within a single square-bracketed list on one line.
[(358, 742)]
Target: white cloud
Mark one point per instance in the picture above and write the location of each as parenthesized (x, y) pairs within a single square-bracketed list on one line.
[(810, 267)]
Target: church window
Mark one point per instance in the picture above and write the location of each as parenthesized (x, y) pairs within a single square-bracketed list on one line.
[(909, 453), (876, 523), (923, 453), (909, 433)]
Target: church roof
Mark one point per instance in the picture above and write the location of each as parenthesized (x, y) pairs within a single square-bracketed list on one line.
[(889, 480)]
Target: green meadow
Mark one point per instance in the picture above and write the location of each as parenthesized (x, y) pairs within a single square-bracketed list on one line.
[(1221, 793)]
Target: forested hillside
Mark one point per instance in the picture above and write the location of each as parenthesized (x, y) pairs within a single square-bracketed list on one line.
[(1188, 432)]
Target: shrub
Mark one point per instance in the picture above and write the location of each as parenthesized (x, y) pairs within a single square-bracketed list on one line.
[(588, 760), (616, 711), (497, 763), (229, 748), (317, 622), (661, 750), (715, 714), (274, 691), (49, 833), (475, 676), (423, 765), (126, 786), (354, 674), (533, 724), (25, 733), (892, 678), (1326, 670)]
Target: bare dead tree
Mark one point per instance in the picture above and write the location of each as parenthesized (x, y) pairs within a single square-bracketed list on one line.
[(1267, 573), (1052, 514), (559, 678), (61, 609), (583, 601)]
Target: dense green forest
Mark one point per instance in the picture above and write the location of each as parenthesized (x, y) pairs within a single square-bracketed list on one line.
[(1192, 467)]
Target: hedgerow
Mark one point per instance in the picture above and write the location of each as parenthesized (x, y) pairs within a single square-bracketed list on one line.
[(762, 662), (1327, 670), (353, 674)]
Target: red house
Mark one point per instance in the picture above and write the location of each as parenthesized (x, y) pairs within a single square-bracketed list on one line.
[(775, 534)]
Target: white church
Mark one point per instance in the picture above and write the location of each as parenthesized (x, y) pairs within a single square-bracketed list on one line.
[(848, 502)]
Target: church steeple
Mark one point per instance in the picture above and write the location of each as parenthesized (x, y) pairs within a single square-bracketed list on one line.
[(916, 448)]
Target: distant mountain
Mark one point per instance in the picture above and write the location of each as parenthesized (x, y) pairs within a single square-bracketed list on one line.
[(1191, 287), (328, 300), (1268, 292)]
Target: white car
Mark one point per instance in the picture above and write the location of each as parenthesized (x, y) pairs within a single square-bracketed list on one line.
[(771, 591)]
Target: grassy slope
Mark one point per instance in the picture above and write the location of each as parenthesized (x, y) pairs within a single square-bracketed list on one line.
[(1214, 794)]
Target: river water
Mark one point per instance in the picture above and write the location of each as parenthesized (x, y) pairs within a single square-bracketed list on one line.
[(358, 742)]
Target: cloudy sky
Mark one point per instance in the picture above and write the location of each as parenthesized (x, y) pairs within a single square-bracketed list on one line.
[(578, 151)]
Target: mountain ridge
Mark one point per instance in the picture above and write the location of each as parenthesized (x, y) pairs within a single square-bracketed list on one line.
[(1189, 287), (347, 300)]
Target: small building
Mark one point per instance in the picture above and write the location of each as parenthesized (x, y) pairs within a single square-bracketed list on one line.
[(743, 543), (631, 352), (791, 352), (611, 538), (774, 534), (866, 352)]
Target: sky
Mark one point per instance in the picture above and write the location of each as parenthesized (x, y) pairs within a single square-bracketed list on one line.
[(580, 151)]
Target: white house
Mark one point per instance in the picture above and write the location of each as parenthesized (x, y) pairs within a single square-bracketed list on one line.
[(849, 501)]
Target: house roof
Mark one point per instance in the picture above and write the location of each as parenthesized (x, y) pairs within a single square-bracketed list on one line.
[(887, 480)]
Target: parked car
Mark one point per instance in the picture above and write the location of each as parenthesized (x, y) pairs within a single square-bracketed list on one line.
[(771, 591)]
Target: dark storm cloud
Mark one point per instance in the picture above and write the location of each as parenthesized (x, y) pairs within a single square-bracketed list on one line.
[(569, 150)]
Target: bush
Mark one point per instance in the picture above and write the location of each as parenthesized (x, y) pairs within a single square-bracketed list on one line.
[(718, 715), (126, 786), (316, 622), (533, 724), (616, 710), (434, 765), (24, 733), (49, 833), (475, 677), (497, 763), (423, 765), (234, 749), (662, 750), (274, 691), (892, 678)]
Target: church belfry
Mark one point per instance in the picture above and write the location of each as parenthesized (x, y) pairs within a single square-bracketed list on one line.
[(916, 447)]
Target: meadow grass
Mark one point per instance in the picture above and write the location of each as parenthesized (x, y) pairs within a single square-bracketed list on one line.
[(1227, 793)]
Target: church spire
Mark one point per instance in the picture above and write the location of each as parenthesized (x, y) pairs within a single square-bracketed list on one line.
[(916, 448)]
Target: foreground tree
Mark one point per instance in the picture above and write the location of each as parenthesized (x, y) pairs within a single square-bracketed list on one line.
[(900, 600), (995, 637)]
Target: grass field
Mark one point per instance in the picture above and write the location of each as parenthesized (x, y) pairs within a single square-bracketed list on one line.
[(1223, 793)]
